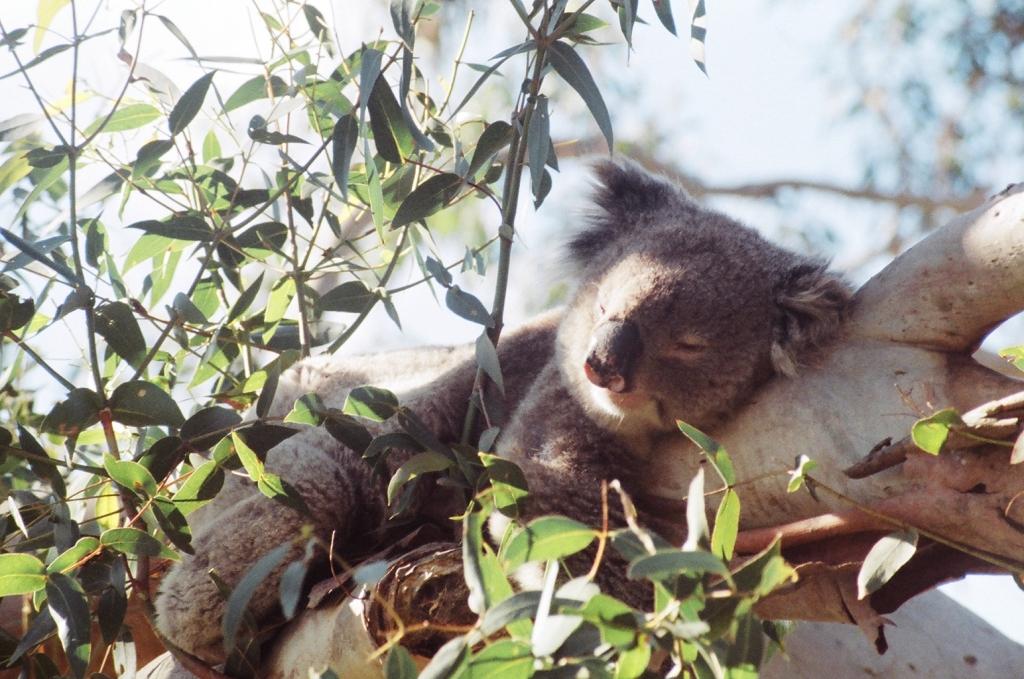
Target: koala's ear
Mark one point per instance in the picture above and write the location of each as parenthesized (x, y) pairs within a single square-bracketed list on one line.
[(625, 195), (812, 303)]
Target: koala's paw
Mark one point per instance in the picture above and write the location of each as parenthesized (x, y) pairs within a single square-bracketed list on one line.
[(190, 609)]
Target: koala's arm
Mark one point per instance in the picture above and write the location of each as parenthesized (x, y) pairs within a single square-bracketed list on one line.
[(345, 502), (343, 496)]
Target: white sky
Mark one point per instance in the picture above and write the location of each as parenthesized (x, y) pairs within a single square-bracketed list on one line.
[(765, 112)]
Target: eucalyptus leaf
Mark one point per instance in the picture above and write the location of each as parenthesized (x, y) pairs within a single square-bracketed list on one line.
[(141, 404), (70, 612), (467, 306), (884, 559), (343, 144), (116, 323), (574, 71), (549, 537), (427, 198), (189, 104), (238, 602), (21, 574)]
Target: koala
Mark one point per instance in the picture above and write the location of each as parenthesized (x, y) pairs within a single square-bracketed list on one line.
[(680, 313)]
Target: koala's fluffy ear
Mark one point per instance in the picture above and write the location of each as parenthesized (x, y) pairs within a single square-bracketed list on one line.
[(812, 303), (625, 195)]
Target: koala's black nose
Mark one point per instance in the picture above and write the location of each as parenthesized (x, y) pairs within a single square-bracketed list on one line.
[(615, 347)]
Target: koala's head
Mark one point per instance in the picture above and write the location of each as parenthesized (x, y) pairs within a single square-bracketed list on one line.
[(682, 312)]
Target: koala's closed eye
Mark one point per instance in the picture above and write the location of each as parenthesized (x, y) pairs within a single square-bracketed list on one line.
[(688, 346)]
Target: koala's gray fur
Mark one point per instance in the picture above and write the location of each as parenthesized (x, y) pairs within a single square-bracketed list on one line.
[(680, 314)]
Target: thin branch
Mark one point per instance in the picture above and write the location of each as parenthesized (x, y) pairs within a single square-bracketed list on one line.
[(32, 87), (772, 189), (39, 360)]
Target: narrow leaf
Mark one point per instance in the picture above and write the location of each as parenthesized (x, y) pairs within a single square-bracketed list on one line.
[(886, 557), (239, 600), (467, 306), (570, 66), (188, 106), (70, 612), (427, 198), (343, 144)]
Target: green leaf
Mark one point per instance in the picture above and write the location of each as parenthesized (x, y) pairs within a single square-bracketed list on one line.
[(208, 426), (41, 57), (134, 542), (391, 135), (173, 523), (147, 160), (263, 239), (467, 306), (797, 476), (698, 34), (238, 602), (15, 312), (254, 89), (186, 227), (317, 24), (503, 659), (343, 143), (142, 404), (472, 555), (546, 538), (495, 137), (427, 198), (669, 563), (79, 411), (246, 299), (350, 297), (200, 487), (438, 271), (570, 66), (308, 409), (21, 574), (663, 8), (116, 323), (886, 557), (71, 613), (128, 117), (211, 146), (930, 433), (627, 19), (250, 461), (507, 481), (399, 664), (616, 621), (417, 465), (487, 359), (47, 157), (1014, 355), (765, 572), (371, 403), (40, 257), (188, 106), (538, 139), (130, 475), (72, 555), (716, 454), (633, 661), (448, 660), (727, 525)]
